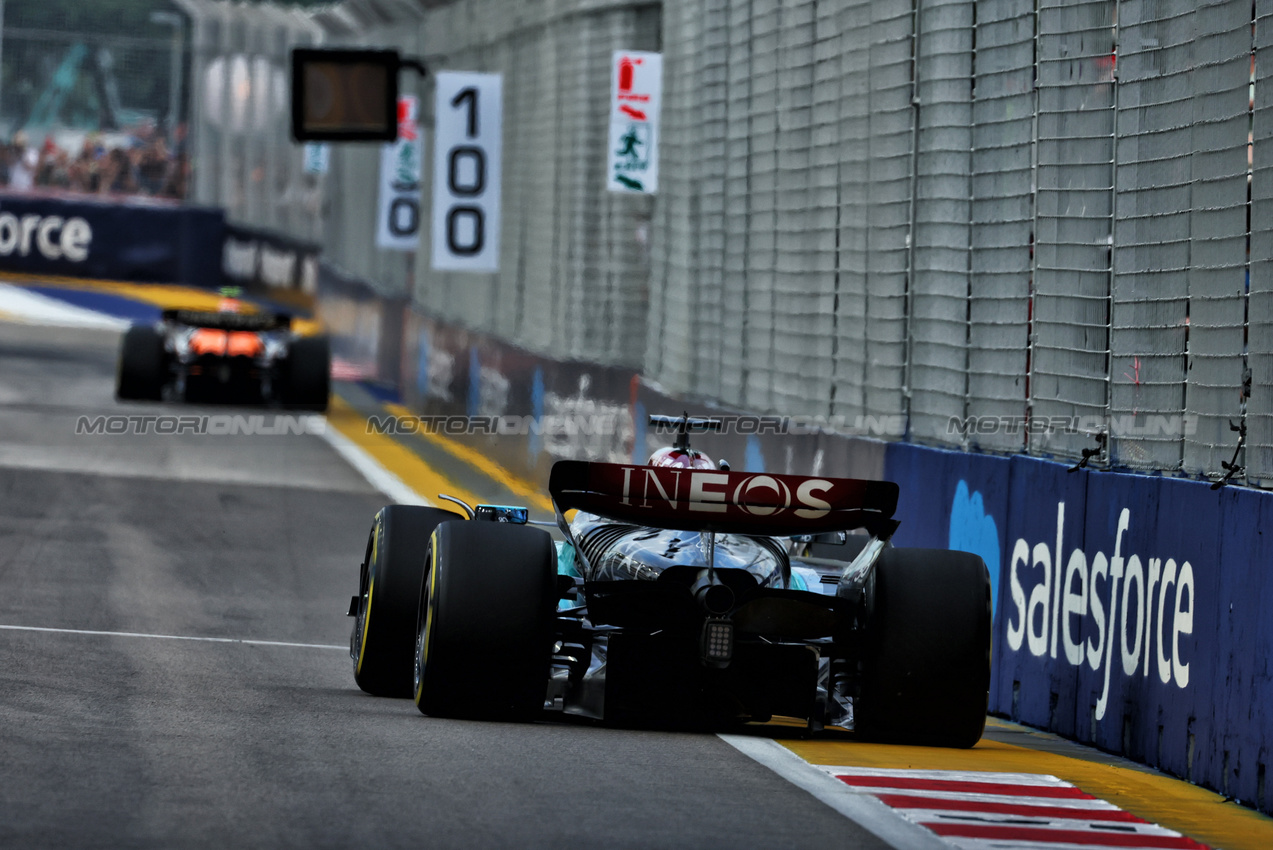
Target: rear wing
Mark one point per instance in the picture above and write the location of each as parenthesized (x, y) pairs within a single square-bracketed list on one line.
[(761, 504), (226, 321)]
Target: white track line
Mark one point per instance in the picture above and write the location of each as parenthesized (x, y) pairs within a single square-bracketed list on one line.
[(371, 469), (863, 809), (248, 641)]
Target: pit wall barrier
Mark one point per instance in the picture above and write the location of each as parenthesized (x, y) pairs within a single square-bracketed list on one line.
[(115, 239), (449, 371), (1131, 612), (353, 314)]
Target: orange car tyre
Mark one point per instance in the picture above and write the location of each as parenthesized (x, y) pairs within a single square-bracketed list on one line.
[(142, 368), (485, 625), (388, 592), (307, 382), (926, 658)]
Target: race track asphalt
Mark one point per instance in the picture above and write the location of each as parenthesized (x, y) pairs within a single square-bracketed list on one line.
[(142, 740)]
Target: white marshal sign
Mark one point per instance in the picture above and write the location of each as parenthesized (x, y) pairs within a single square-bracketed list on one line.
[(398, 216), (466, 171), (636, 94)]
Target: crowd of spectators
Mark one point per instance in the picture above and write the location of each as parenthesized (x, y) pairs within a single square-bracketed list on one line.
[(143, 164)]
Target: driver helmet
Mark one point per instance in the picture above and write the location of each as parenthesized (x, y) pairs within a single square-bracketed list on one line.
[(681, 459)]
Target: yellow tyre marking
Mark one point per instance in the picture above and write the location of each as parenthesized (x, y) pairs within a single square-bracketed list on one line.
[(428, 611), (371, 589)]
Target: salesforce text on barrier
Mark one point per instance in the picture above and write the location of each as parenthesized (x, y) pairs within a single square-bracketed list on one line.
[(1067, 594), (54, 237)]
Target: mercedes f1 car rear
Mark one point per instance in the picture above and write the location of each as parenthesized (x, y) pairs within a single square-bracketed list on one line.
[(224, 355), (682, 594)]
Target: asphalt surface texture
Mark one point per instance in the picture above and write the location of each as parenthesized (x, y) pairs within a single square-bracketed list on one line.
[(144, 740)]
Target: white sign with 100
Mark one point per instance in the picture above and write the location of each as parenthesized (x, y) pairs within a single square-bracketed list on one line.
[(466, 171)]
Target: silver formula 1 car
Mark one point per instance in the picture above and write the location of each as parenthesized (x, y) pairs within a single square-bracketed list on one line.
[(683, 594), (227, 354)]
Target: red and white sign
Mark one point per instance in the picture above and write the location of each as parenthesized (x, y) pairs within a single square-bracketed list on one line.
[(636, 95), (398, 218)]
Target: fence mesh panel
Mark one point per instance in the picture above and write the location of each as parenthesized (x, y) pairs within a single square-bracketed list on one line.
[(675, 319), (1002, 222), (1073, 216), (942, 237), (1259, 453), (1153, 195), (805, 202), (877, 136), (1219, 247)]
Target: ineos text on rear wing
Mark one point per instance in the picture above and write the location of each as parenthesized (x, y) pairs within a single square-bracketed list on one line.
[(724, 502)]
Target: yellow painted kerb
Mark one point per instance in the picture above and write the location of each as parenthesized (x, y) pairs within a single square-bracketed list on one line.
[(393, 456), (522, 488)]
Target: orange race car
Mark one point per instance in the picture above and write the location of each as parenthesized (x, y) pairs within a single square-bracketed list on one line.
[(224, 355)]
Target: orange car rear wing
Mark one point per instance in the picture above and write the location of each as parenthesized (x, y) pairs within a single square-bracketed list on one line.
[(225, 321)]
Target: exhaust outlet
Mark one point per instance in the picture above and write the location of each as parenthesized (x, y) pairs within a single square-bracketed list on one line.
[(714, 597)]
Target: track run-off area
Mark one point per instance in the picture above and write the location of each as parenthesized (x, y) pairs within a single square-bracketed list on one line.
[(176, 671)]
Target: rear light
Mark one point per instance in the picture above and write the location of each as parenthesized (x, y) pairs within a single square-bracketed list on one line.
[(717, 645)]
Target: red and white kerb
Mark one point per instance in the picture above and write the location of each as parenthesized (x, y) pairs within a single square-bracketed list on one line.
[(980, 811)]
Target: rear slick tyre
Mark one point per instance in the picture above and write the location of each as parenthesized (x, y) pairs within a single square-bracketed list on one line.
[(308, 374), (486, 622), (388, 592), (926, 661), (141, 372)]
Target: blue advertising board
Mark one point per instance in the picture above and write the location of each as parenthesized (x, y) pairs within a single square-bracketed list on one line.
[(1131, 611), (111, 239)]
